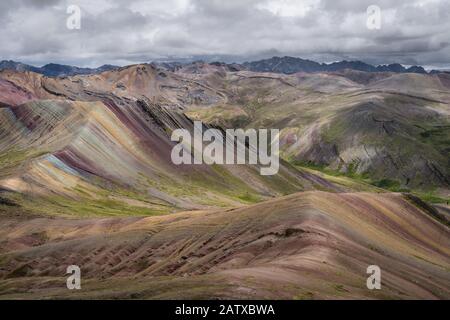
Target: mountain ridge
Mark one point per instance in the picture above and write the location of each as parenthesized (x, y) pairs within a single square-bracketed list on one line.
[(86, 179), (283, 65), (54, 69), (290, 65)]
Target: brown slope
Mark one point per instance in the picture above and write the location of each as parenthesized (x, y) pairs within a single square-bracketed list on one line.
[(307, 245)]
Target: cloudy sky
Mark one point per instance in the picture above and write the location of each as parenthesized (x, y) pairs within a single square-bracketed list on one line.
[(129, 31)]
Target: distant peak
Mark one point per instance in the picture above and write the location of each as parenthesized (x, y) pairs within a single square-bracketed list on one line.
[(289, 65)]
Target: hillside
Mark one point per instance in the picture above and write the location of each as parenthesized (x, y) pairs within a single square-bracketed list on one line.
[(387, 126), (311, 245), (97, 145)]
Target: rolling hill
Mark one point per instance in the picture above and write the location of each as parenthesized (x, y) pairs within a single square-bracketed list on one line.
[(311, 245)]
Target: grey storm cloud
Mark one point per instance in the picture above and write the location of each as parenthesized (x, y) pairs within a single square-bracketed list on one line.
[(123, 32)]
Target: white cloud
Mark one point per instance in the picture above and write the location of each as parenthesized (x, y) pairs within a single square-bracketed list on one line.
[(121, 31), (289, 8)]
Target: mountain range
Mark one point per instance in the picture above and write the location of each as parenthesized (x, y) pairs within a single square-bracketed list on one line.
[(53, 69), (290, 65), (286, 65), (86, 179)]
